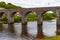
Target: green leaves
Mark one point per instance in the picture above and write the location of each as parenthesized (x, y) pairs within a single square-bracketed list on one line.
[(49, 16), (17, 18), (8, 5), (2, 4), (4, 19), (31, 17)]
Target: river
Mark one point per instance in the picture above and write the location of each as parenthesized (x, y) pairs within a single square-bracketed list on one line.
[(49, 30)]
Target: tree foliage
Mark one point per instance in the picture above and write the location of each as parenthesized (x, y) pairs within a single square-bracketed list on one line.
[(8, 5), (49, 16), (2, 4)]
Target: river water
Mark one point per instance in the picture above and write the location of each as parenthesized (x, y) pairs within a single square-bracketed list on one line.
[(49, 29)]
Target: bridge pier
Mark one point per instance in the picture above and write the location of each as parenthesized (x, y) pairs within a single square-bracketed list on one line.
[(39, 27), (24, 26), (10, 23), (1, 25), (11, 27), (58, 22)]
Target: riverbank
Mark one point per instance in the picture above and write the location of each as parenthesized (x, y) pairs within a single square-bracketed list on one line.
[(51, 38)]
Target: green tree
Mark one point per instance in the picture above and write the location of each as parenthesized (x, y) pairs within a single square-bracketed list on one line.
[(8, 5), (11, 6), (2, 4), (49, 16)]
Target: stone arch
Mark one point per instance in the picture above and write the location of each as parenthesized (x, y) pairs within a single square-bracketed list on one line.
[(1, 26), (24, 24), (47, 11), (27, 13), (10, 15), (14, 13), (32, 15), (2, 14), (17, 17), (4, 17), (40, 22)]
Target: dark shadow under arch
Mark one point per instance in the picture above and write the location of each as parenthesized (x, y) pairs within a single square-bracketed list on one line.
[(1, 14), (28, 13)]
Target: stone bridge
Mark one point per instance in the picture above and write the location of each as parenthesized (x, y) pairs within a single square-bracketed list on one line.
[(24, 12)]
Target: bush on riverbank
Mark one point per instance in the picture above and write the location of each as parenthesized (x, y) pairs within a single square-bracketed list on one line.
[(4, 19), (31, 17), (17, 18), (49, 16)]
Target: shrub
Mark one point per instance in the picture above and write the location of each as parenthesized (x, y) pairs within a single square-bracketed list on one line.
[(4, 19), (49, 16), (31, 17), (17, 18)]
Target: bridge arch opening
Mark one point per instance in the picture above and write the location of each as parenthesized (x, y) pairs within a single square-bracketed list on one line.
[(17, 17), (4, 21), (1, 22), (17, 22), (32, 23), (49, 23)]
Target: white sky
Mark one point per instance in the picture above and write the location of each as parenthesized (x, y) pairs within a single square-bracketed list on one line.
[(34, 3)]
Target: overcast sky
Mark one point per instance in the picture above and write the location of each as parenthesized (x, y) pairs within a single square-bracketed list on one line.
[(34, 3)]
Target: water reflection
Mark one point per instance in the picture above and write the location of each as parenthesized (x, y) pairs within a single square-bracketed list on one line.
[(49, 28), (32, 28)]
